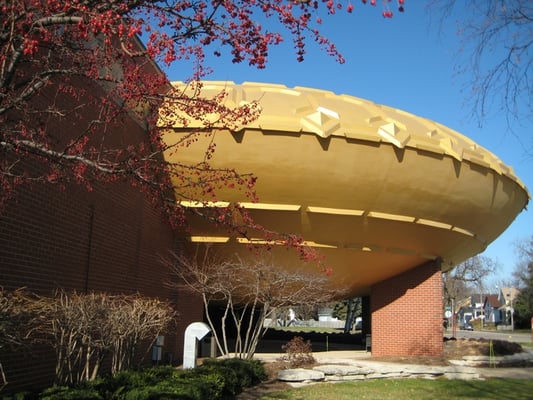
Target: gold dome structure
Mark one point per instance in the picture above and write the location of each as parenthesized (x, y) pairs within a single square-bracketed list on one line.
[(376, 189), (389, 198)]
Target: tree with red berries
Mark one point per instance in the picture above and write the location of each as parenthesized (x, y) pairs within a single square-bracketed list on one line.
[(72, 70)]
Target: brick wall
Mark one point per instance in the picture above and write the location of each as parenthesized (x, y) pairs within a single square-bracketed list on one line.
[(110, 239), (407, 313)]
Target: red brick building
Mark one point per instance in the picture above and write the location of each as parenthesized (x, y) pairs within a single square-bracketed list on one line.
[(110, 239), (390, 204)]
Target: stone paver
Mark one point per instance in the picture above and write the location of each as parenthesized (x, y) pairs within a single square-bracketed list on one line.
[(379, 370), (486, 361), (300, 375), (358, 365), (344, 370)]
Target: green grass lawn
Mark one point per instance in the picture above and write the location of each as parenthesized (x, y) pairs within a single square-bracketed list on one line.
[(409, 389)]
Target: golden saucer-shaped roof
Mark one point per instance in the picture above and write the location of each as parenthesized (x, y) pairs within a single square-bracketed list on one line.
[(377, 189)]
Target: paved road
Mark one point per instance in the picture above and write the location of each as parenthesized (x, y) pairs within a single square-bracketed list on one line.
[(494, 335)]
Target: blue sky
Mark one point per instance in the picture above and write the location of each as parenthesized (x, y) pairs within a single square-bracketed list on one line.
[(407, 62)]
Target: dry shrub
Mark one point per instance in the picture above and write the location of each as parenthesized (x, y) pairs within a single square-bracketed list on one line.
[(83, 328), (16, 317), (298, 352)]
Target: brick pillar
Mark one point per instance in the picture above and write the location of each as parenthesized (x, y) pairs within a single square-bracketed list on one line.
[(407, 313)]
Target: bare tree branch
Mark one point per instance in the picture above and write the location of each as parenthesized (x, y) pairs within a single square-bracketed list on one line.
[(249, 290), (496, 40)]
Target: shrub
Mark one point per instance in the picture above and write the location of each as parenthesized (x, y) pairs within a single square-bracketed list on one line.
[(201, 383), (298, 352), (249, 372), (127, 380), (84, 392), (181, 389), (216, 379), (21, 396), (162, 382), (238, 373)]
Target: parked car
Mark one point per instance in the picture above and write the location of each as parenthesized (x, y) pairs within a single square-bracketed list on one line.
[(467, 326)]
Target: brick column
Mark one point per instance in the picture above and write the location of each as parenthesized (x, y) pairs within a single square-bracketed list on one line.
[(407, 313)]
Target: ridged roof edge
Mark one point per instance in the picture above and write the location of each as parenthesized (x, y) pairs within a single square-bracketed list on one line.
[(324, 113)]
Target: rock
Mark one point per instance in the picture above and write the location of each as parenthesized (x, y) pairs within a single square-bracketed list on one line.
[(343, 378), (458, 362), (462, 376), (523, 358), (378, 375), (361, 370), (300, 375), (343, 370)]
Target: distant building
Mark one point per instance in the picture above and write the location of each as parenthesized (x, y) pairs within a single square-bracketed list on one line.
[(507, 297), (492, 311), (471, 308), (495, 309)]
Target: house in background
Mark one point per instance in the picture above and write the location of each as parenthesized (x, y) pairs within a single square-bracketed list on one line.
[(474, 307), (492, 309), (507, 297), (464, 311)]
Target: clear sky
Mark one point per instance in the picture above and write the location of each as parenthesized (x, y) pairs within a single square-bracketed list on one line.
[(407, 62)]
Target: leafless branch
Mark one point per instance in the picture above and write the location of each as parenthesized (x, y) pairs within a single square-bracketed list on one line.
[(249, 289)]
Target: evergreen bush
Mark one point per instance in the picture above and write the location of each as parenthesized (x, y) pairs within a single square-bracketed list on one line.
[(83, 392), (215, 379)]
